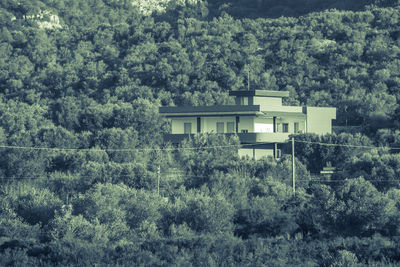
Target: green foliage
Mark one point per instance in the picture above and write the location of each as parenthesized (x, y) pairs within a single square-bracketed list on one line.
[(381, 169), (204, 153), (200, 212), (38, 206), (264, 217), (357, 208), (316, 156), (87, 78)]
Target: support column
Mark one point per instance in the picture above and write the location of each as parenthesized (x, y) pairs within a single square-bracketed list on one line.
[(293, 168), (274, 124), (237, 124), (305, 126), (198, 124), (275, 150)]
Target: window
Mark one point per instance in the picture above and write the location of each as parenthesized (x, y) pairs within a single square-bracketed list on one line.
[(187, 128), (278, 127), (230, 127), (220, 127), (278, 153), (198, 124), (285, 127), (296, 127), (245, 131), (244, 101)]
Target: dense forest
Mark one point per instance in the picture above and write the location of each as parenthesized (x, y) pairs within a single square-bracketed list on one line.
[(87, 180)]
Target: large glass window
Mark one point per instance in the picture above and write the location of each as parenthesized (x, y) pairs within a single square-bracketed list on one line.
[(285, 127), (244, 101), (187, 128), (278, 154), (220, 127), (296, 127), (230, 127)]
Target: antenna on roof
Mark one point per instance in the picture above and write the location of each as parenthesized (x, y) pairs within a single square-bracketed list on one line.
[(248, 78)]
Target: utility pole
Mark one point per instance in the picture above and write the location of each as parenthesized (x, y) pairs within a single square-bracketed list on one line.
[(158, 179), (248, 78), (158, 159), (293, 169)]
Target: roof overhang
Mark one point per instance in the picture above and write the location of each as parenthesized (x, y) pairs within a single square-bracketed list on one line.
[(270, 114), (229, 110), (268, 93)]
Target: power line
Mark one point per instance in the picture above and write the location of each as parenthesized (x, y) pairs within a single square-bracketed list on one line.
[(344, 180), (181, 148), (345, 145), (167, 174), (114, 149), (95, 176)]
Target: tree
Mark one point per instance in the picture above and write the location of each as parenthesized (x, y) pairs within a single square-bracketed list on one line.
[(378, 167), (315, 155), (365, 210), (200, 212), (37, 206), (204, 153)]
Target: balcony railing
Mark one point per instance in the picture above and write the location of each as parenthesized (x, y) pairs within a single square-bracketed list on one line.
[(245, 138), (250, 138)]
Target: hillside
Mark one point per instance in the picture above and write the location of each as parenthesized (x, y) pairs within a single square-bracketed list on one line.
[(293, 8), (87, 180), (342, 58)]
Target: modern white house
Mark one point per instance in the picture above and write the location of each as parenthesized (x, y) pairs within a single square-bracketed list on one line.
[(259, 119)]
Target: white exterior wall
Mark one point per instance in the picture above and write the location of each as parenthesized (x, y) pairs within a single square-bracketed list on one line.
[(283, 109), (263, 125), (252, 124), (177, 124), (267, 102), (243, 152), (209, 124), (246, 123), (291, 121), (319, 120), (258, 152), (264, 152)]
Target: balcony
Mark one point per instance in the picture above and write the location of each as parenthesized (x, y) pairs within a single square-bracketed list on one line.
[(245, 138), (251, 138)]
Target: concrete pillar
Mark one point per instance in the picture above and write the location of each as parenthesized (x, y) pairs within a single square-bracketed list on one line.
[(198, 124)]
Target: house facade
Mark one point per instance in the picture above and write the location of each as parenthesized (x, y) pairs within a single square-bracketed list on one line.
[(258, 118)]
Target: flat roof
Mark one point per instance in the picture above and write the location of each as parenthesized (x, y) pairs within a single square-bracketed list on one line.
[(230, 109), (268, 114), (266, 93)]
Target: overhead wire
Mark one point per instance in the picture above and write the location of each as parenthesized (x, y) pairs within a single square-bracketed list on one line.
[(177, 149), (114, 149), (346, 145), (183, 148), (190, 176)]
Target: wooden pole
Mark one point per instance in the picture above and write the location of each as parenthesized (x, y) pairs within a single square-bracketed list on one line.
[(158, 179), (293, 168), (248, 79)]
